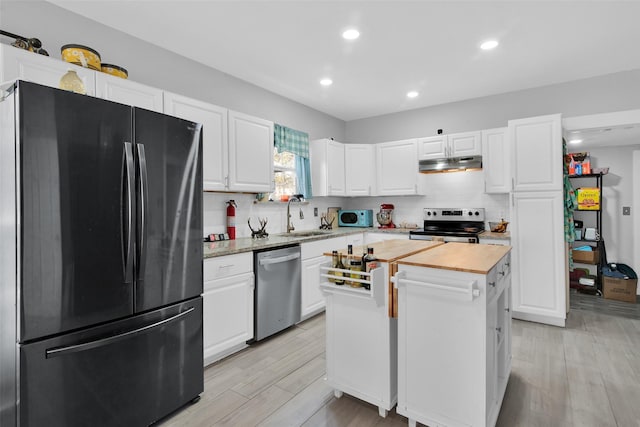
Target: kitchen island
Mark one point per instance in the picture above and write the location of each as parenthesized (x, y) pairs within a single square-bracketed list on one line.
[(454, 334), (361, 338)]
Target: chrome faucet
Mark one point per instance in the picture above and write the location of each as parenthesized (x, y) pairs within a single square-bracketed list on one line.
[(293, 198)]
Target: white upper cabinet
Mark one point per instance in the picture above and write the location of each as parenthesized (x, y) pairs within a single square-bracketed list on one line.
[(44, 70), (214, 136), (536, 153), (453, 145), (327, 167), (359, 169), (465, 144), (432, 147), (128, 92), (250, 154), (397, 168), (496, 161)]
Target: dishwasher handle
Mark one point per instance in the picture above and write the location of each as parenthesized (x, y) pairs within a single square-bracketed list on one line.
[(278, 260)]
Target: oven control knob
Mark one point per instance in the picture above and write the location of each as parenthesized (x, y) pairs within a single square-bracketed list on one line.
[(477, 213), (435, 213), (429, 213), (470, 213)]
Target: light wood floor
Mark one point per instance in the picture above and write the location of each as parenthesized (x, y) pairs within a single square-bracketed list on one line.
[(587, 374)]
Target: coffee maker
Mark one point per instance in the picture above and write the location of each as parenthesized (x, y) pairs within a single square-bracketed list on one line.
[(384, 217)]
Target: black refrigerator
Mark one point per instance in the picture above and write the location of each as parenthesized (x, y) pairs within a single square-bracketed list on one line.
[(100, 261)]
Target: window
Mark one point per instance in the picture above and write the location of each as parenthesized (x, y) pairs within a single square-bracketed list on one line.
[(285, 176), (292, 171)]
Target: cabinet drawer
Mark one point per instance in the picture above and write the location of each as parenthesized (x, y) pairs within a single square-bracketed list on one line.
[(317, 248), (225, 266)]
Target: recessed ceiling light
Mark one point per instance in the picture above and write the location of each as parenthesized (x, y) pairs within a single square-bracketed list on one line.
[(489, 44), (326, 82), (351, 34), (412, 94), (575, 141)]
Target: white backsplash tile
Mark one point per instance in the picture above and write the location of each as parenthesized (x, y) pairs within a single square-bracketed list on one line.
[(445, 190)]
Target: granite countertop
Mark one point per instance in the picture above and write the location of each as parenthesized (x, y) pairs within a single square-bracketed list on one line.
[(469, 257), (247, 244), (498, 236)]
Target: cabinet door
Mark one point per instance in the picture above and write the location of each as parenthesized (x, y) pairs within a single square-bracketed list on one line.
[(465, 144), (397, 168), (491, 362), (537, 258), (434, 147), (359, 165), (335, 169), (44, 70), (250, 153), (536, 153), (214, 135), (311, 295), (227, 315), (496, 161), (128, 92)]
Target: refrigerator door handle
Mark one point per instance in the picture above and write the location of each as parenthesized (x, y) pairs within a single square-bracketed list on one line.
[(76, 348), (129, 179), (142, 163)]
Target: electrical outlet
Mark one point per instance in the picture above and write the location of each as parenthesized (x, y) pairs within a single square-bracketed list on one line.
[(315, 211), (626, 210)]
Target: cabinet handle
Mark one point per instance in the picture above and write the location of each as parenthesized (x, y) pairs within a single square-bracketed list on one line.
[(502, 273), (226, 181), (493, 284), (225, 266), (507, 309), (499, 329)]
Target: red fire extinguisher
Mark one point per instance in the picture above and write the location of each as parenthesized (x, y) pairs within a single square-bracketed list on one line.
[(231, 219)]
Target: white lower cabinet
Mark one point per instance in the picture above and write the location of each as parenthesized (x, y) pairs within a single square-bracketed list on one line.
[(227, 305), (372, 237), (491, 241), (537, 236), (454, 344), (312, 299)]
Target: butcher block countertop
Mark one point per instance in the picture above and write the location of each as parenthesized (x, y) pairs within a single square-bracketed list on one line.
[(469, 257), (391, 250)]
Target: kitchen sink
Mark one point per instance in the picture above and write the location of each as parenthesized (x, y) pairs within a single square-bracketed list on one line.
[(306, 233)]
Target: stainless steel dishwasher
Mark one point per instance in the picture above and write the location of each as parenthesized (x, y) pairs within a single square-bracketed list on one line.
[(277, 292)]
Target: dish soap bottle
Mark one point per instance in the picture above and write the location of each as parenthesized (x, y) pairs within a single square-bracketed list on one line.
[(71, 82)]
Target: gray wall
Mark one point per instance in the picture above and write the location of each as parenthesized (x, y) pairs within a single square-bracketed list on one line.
[(160, 68), (613, 92)]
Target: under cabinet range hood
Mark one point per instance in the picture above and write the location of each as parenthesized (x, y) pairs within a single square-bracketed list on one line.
[(453, 164)]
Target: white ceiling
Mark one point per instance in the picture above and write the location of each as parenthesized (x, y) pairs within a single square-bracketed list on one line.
[(428, 46)]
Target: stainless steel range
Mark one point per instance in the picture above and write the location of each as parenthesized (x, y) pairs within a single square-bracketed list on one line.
[(451, 225)]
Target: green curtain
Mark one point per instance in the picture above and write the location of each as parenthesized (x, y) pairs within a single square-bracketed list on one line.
[(291, 140)]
